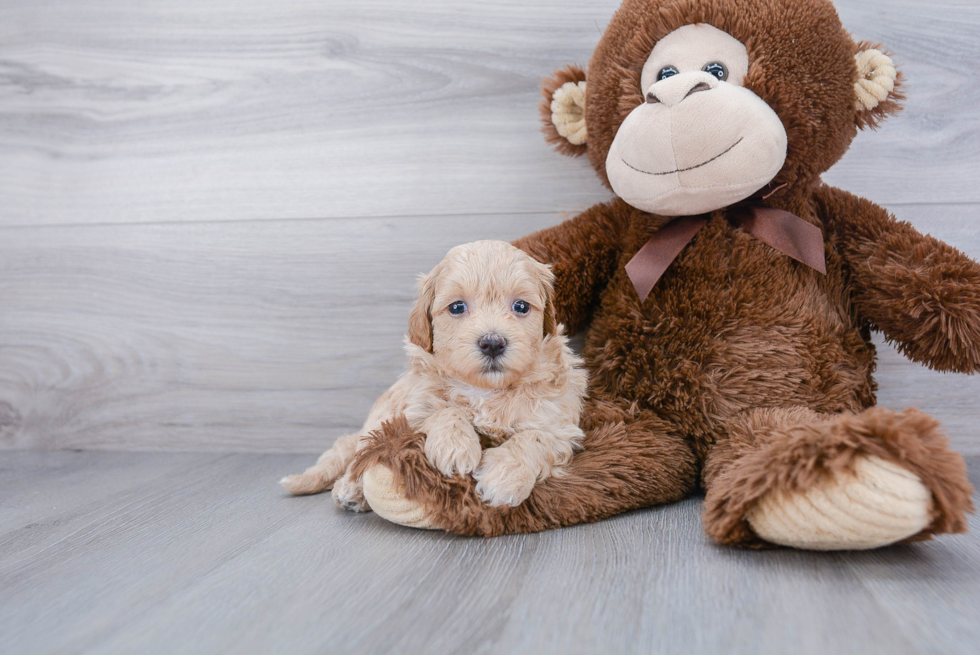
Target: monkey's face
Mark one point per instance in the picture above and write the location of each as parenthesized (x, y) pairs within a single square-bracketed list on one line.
[(700, 140), (693, 105)]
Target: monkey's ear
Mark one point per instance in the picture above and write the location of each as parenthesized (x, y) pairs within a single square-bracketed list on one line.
[(563, 111), (420, 320), (876, 92)]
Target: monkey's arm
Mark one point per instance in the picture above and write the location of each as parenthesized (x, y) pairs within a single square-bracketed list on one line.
[(923, 294), (583, 253)]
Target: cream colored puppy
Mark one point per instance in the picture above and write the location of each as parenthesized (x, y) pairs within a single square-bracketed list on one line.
[(487, 364)]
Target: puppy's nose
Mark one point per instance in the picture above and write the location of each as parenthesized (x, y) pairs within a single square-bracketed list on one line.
[(492, 345)]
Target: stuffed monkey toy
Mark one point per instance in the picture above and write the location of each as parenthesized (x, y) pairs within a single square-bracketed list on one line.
[(731, 295)]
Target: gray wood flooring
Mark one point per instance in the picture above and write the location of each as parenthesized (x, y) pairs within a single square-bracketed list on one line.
[(203, 553), (212, 214)]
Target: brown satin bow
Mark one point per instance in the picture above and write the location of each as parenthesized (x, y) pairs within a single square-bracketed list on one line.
[(784, 231)]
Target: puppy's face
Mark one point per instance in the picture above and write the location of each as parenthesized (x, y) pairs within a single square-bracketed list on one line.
[(483, 312)]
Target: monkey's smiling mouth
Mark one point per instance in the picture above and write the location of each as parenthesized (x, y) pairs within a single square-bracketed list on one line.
[(689, 168)]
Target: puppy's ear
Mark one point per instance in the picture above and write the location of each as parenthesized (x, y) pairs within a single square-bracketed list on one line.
[(563, 111), (547, 279), (420, 320)]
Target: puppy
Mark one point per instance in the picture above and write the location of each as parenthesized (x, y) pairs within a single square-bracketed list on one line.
[(488, 366)]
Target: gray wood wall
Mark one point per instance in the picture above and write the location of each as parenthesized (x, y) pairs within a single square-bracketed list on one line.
[(212, 214)]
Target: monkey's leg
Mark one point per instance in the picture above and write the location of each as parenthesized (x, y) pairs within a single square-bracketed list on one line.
[(792, 477), (631, 460)]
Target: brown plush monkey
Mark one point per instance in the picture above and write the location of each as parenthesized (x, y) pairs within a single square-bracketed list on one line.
[(731, 295)]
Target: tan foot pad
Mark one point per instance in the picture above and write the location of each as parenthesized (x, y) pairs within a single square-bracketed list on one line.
[(388, 502), (882, 503)]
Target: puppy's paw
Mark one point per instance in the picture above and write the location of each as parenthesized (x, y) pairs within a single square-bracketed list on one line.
[(349, 495), (503, 479), (453, 450)]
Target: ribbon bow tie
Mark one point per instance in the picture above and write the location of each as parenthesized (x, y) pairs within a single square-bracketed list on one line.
[(784, 231)]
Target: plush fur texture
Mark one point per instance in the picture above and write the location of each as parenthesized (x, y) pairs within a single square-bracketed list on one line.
[(744, 372), (572, 74), (604, 479), (522, 405), (795, 449), (872, 118)]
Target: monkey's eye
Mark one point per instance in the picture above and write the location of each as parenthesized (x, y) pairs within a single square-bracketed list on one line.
[(664, 73), (457, 308), (521, 307), (717, 69)]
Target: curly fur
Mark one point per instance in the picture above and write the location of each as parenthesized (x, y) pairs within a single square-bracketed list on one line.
[(743, 370), (524, 408)]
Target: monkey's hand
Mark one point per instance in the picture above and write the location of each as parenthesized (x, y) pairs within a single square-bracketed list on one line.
[(923, 294)]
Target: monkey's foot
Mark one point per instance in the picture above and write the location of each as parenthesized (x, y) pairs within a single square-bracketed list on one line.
[(388, 500), (878, 504)]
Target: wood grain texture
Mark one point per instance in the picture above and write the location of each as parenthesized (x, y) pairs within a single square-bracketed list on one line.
[(118, 112), (268, 336), (211, 217), (165, 553), (271, 336)]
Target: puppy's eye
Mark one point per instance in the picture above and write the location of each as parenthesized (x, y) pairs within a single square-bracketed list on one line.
[(457, 308), (666, 72), (521, 307), (717, 69)]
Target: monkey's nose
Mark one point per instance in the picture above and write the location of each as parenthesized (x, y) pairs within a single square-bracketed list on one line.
[(492, 345), (675, 89)]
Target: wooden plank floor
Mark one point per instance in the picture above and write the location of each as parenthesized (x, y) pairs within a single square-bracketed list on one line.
[(203, 553), (122, 112), (212, 215)]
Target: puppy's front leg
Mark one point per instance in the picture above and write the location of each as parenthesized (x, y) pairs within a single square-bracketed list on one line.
[(508, 473), (451, 443)]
